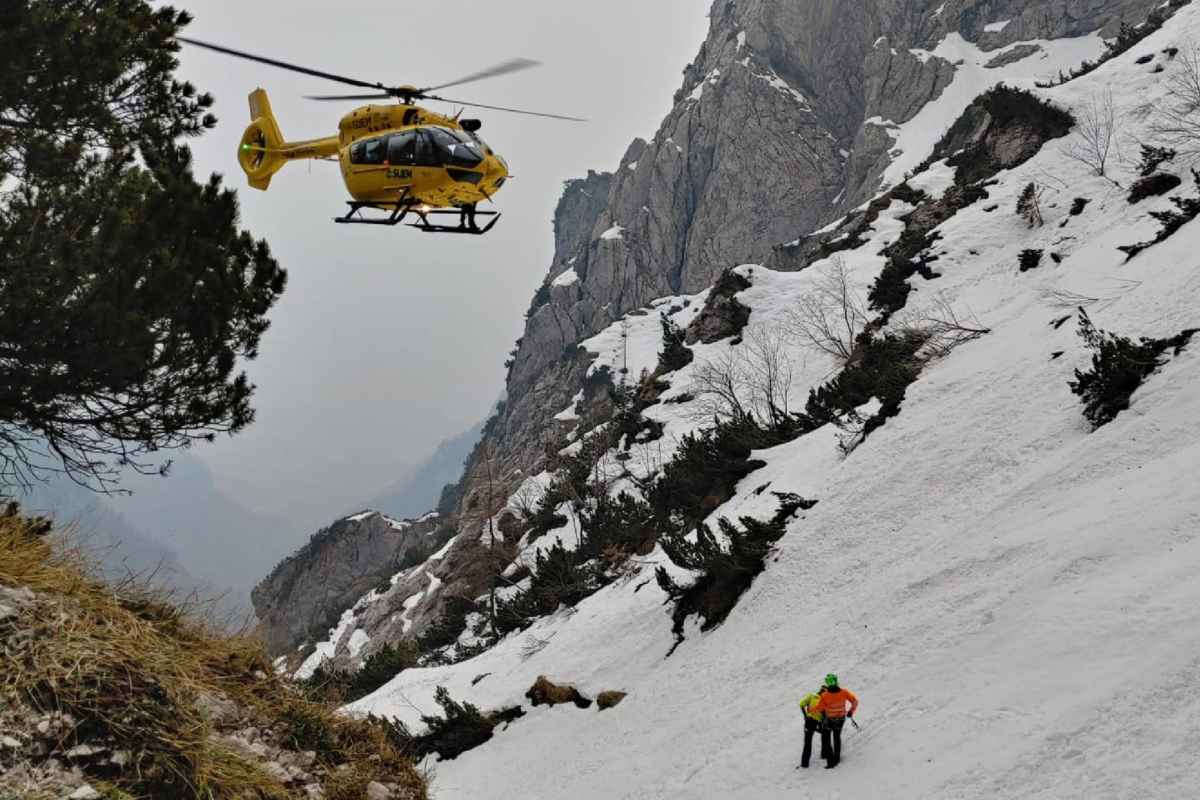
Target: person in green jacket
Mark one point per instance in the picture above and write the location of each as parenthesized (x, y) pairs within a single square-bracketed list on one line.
[(812, 724)]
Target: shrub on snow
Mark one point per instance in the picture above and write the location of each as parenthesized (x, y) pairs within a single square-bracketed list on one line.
[(1119, 366)]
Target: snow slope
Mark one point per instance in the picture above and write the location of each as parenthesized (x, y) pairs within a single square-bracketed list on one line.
[(1013, 597)]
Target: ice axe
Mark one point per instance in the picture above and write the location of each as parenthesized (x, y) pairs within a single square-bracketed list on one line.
[(855, 724)]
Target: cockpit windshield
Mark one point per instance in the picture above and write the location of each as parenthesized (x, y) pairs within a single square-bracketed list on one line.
[(455, 149)]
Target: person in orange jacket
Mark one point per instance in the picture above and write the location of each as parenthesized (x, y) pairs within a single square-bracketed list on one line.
[(833, 707)]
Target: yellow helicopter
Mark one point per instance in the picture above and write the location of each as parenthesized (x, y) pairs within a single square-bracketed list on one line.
[(396, 158)]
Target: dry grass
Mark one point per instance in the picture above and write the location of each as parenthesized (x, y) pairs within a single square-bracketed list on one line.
[(130, 667)]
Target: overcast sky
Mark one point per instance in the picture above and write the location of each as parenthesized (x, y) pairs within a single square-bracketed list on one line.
[(387, 339)]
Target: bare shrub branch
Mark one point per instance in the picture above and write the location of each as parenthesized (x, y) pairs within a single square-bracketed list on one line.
[(1176, 122), (830, 317), (1096, 134), (750, 381), (942, 327)]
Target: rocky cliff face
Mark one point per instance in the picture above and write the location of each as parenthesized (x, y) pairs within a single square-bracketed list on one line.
[(780, 126), (306, 594), (772, 135)]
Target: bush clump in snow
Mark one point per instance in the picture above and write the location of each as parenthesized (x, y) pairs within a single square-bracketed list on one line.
[(706, 469), (1119, 365), (461, 728), (629, 425), (331, 685), (1153, 185), (545, 517), (617, 526), (560, 577), (1029, 259), (725, 574), (1153, 158), (883, 370), (675, 354), (573, 483), (889, 293), (445, 630), (1172, 221), (906, 256)]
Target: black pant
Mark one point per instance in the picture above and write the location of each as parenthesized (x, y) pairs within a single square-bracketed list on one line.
[(811, 726), (831, 740)]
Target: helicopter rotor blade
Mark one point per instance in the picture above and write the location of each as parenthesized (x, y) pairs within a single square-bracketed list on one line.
[(510, 110), (281, 64), (503, 68), (347, 96)]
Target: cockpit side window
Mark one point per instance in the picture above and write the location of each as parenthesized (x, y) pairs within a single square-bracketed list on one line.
[(368, 151)]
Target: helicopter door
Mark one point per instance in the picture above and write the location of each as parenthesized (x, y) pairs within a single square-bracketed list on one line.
[(402, 148), (426, 154)]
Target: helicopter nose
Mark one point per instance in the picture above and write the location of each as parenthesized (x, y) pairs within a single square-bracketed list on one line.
[(497, 171)]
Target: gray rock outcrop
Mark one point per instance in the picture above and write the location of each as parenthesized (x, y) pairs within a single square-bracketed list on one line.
[(306, 594), (770, 137)]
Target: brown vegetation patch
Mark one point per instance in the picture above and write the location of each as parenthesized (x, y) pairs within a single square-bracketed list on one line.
[(610, 698), (546, 692), (192, 712)]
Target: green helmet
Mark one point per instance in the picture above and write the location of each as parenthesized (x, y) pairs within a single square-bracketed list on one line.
[(831, 680)]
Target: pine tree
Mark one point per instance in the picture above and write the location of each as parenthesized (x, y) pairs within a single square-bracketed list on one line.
[(675, 353), (1028, 207), (127, 291), (1119, 366), (1153, 158)]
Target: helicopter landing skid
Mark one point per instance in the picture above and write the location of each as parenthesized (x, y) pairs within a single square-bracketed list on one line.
[(462, 227), (400, 208), (398, 211)]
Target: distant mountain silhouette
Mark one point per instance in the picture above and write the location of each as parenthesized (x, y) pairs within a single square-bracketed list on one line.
[(217, 539), (103, 533), (420, 489), (122, 550)]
